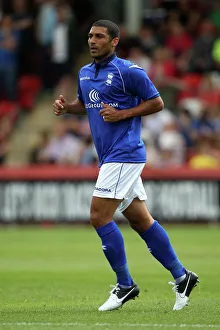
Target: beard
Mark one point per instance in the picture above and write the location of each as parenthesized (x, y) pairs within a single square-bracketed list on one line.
[(101, 56)]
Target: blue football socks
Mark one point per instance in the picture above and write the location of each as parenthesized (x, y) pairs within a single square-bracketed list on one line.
[(113, 248), (160, 247)]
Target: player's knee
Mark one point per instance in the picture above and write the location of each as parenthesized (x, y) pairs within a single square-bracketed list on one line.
[(95, 218), (142, 224), (99, 218)]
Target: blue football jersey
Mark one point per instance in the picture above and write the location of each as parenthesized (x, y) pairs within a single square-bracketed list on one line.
[(122, 85)]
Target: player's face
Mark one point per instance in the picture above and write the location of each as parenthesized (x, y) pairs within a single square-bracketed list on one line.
[(100, 43)]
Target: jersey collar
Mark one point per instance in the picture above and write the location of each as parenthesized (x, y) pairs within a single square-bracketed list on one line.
[(105, 61)]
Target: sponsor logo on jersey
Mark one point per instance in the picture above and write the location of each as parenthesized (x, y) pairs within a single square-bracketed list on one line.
[(95, 99), (108, 81), (94, 96), (99, 106)]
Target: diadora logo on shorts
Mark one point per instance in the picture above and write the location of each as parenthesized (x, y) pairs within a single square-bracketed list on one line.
[(109, 79), (103, 189), (94, 96)]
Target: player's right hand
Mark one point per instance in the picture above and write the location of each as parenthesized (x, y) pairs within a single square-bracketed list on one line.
[(60, 106)]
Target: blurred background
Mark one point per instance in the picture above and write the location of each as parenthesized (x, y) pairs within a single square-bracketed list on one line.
[(54, 276), (43, 43)]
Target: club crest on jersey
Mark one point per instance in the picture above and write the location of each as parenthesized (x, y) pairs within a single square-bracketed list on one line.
[(108, 81)]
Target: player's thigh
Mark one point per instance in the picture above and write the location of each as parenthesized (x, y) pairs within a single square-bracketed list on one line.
[(117, 180), (138, 215), (136, 191), (102, 210)]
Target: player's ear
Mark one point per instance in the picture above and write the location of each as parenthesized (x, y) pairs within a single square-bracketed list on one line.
[(115, 41)]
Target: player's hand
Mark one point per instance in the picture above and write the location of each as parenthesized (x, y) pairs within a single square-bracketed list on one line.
[(110, 114), (60, 106)]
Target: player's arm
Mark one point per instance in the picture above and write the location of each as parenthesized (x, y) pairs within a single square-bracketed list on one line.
[(146, 108), (61, 106), (137, 84)]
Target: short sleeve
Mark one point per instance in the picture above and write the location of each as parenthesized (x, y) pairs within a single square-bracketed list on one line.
[(139, 84), (79, 92)]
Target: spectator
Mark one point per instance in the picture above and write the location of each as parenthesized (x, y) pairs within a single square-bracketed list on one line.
[(201, 59), (137, 56), (5, 131), (85, 14), (37, 153), (147, 38), (163, 72), (126, 43), (178, 44), (64, 45), (151, 148), (8, 58), (206, 156), (110, 9), (216, 121), (23, 24), (63, 148), (216, 53), (204, 126), (214, 15), (46, 22), (185, 123), (155, 124), (172, 146), (178, 40), (89, 155), (209, 90), (77, 126)]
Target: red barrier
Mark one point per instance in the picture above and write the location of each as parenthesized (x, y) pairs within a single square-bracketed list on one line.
[(46, 173)]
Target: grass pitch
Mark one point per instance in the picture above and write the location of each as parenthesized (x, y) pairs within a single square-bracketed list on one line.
[(55, 278)]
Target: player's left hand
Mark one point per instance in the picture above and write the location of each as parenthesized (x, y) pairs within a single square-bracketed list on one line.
[(110, 114)]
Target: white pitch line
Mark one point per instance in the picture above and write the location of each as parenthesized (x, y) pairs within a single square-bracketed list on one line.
[(143, 325)]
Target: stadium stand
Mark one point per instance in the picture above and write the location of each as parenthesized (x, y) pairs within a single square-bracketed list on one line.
[(178, 46)]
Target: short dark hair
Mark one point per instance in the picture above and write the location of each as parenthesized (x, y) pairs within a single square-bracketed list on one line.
[(113, 29)]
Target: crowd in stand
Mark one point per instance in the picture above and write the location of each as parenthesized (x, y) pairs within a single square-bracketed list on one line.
[(39, 43), (178, 45)]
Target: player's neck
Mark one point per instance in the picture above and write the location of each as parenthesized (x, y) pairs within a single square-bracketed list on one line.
[(104, 59)]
